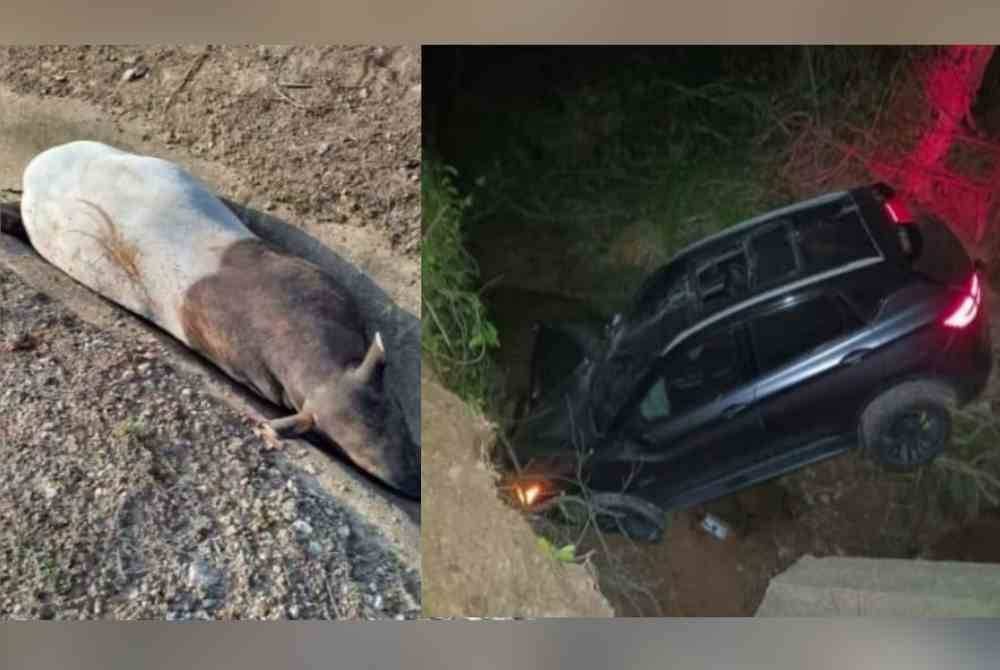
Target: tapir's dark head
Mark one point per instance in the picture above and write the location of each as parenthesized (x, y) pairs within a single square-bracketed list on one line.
[(354, 412)]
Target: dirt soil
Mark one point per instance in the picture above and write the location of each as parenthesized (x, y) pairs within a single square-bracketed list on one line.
[(330, 134), (481, 558), (134, 492)]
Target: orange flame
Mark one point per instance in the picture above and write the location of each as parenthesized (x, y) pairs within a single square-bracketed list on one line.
[(528, 495)]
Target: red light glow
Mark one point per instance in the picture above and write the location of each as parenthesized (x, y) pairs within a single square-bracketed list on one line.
[(898, 211), (968, 309)]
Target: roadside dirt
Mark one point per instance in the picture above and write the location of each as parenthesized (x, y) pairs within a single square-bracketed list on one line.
[(481, 558), (326, 134), (132, 491)]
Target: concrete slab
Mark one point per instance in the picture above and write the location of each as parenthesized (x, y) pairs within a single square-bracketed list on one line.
[(840, 586)]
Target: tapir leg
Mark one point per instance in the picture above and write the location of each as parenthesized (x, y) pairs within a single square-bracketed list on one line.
[(291, 425)]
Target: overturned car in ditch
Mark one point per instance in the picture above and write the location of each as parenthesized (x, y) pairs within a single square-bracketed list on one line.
[(841, 321)]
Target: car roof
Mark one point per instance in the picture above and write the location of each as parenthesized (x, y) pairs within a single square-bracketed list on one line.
[(745, 226), (701, 253), (813, 281)]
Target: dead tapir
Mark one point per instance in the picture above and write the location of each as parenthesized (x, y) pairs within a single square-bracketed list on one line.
[(147, 235)]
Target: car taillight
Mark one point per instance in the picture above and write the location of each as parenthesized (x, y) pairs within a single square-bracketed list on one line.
[(898, 211), (966, 311)]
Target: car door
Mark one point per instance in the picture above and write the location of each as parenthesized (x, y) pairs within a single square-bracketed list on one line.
[(694, 412), (813, 373)]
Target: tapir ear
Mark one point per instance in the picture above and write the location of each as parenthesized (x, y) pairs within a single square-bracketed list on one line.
[(374, 359)]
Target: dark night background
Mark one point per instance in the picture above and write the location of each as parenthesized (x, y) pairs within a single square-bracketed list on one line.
[(555, 179)]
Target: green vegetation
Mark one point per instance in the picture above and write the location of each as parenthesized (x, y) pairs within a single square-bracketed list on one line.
[(456, 333), (615, 167), (967, 477)]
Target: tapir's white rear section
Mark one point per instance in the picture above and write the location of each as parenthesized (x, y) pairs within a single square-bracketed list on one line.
[(138, 230)]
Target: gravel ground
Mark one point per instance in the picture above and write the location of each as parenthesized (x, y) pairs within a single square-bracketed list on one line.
[(130, 493)]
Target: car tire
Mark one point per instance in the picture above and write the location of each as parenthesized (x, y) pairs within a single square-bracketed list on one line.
[(909, 425)]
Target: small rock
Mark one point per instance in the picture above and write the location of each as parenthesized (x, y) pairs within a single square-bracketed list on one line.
[(344, 531), (323, 149), (293, 611), (202, 575), (302, 527), (22, 341), (133, 73), (377, 603)]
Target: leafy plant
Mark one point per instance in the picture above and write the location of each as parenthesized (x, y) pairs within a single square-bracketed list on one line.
[(565, 554), (457, 334)]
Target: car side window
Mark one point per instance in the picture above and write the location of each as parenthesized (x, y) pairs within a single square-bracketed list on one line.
[(782, 336), (831, 236), (773, 256), (695, 373), (722, 279)]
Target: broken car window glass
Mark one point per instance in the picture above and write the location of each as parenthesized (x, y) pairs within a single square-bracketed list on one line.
[(723, 279), (694, 374), (833, 236), (773, 255)]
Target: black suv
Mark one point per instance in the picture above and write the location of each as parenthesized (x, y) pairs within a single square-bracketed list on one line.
[(781, 341)]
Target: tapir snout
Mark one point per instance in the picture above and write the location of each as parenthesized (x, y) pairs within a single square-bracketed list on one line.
[(353, 412)]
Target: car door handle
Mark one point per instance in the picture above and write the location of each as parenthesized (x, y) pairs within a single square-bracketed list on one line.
[(855, 357), (733, 410)]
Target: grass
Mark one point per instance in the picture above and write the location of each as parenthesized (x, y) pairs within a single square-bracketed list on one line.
[(967, 478), (456, 333)]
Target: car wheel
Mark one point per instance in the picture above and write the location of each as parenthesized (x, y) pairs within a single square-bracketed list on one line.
[(908, 425)]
